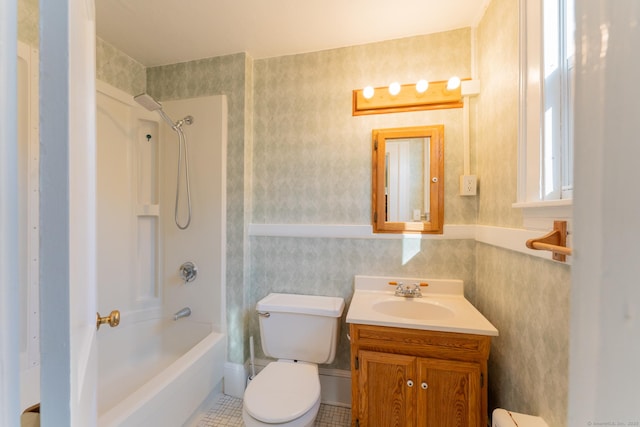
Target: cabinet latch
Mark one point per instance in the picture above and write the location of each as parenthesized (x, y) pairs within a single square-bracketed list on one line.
[(481, 379), (357, 365), (357, 422)]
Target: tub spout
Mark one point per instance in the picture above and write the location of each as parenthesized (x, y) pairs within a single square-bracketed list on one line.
[(185, 312)]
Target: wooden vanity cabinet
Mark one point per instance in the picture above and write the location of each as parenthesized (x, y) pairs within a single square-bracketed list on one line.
[(414, 378)]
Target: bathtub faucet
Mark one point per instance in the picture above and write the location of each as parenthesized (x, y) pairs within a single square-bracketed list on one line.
[(185, 312)]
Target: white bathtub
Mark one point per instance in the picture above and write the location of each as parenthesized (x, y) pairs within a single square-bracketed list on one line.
[(157, 372)]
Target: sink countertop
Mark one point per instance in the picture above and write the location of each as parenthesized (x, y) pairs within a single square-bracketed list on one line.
[(448, 294)]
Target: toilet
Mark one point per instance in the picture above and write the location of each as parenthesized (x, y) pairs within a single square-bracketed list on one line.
[(301, 332), (504, 418)]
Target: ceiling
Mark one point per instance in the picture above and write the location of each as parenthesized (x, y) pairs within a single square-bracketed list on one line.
[(160, 32)]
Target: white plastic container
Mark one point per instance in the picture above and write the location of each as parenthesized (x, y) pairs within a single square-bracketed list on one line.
[(503, 418)]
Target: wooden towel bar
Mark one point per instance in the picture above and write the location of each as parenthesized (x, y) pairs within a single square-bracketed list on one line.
[(555, 241)]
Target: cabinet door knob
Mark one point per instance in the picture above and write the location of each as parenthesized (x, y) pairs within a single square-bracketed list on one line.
[(424, 386), (410, 383)]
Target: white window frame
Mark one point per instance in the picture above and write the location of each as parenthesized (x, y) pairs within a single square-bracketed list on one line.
[(538, 213)]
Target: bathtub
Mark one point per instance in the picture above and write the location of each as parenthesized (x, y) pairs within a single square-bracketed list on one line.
[(157, 372)]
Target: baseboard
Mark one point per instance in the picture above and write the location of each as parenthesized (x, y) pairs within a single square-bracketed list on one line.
[(335, 387), (335, 384)]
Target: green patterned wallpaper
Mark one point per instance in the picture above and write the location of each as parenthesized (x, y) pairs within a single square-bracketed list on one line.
[(313, 158), (119, 70), (497, 128), (28, 17), (526, 298)]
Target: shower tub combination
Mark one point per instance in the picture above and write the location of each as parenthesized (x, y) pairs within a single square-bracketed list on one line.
[(169, 368), (157, 366), (152, 369)]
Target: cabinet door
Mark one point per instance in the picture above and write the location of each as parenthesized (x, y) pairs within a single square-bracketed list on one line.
[(387, 390), (449, 393)]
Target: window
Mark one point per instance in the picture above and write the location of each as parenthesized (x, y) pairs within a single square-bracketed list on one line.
[(546, 103)]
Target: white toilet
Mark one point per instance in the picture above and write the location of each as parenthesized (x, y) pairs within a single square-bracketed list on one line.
[(503, 418), (301, 331)]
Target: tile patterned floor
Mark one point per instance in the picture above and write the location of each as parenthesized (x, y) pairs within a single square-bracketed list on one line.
[(227, 412)]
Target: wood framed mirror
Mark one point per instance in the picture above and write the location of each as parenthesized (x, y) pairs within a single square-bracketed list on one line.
[(408, 180)]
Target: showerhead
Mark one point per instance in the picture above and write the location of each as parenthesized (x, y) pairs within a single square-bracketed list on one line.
[(152, 105), (147, 102)]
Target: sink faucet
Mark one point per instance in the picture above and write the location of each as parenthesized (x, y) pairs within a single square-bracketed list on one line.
[(408, 291)]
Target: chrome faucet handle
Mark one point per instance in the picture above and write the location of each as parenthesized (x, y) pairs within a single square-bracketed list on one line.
[(416, 292), (188, 272), (400, 289), (408, 291)]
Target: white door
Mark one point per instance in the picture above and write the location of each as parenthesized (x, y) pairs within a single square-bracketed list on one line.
[(9, 301), (67, 206)]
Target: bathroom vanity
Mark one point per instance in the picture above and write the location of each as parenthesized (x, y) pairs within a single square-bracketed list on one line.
[(417, 361)]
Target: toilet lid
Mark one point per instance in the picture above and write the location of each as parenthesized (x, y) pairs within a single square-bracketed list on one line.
[(283, 391)]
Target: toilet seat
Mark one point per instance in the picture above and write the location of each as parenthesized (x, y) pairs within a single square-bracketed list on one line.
[(283, 391)]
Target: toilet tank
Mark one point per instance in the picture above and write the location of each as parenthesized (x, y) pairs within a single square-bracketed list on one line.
[(300, 327)]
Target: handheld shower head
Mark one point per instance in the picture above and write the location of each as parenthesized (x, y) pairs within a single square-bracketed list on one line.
[(151, 104), (147, 102)]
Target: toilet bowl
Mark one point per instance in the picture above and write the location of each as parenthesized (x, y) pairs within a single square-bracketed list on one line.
[(285, 393), (504, 418), (301, 331)]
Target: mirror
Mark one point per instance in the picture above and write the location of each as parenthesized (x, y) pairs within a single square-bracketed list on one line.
[(408, 180)]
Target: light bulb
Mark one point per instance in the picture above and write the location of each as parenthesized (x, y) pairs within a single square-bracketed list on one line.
[(422, 86), (453, 83), (394, 88), (368, 92)]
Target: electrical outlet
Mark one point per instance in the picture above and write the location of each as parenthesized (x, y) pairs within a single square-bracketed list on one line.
[(468, 185)]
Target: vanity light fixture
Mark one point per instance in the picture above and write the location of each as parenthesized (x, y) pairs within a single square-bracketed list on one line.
[(422, 86), (453, 83), (422, 95), (368, 92), (394, 88)]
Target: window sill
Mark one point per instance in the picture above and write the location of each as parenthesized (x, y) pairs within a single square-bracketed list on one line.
[(540, 215)]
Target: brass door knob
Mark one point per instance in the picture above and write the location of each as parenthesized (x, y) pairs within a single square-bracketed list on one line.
[(113, 319)]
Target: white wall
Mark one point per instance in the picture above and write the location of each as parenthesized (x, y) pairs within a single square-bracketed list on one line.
[(140, 248), (204, 241), (127, 212), (605, 330)]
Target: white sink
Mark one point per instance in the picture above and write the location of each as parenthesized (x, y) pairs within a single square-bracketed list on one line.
[(442, 307), (413, 308)]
